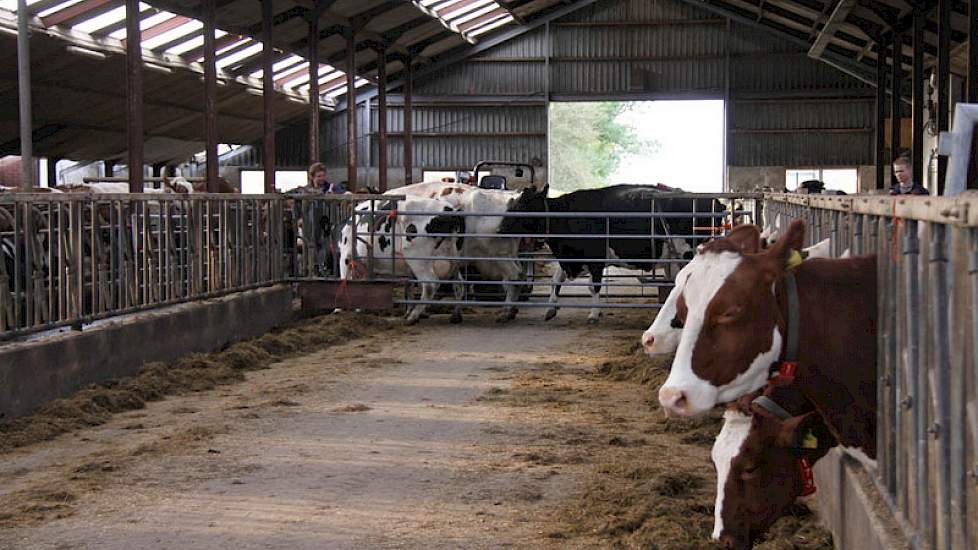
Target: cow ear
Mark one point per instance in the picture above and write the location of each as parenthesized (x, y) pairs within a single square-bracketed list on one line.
[(746, 237), (781, 250), (806, 433)]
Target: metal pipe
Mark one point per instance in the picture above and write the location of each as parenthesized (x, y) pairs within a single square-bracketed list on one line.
[(134, 96), (972, 52), (939, 306), (943, 82), (382, 118), (210, 97), (118, 179), (895, 95), (351, 112), (880, 114), (314, 87), (917, 86), (408, 122), (268, 94), (24, 98)]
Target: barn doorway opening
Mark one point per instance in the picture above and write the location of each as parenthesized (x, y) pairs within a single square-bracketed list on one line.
[(677, 143)]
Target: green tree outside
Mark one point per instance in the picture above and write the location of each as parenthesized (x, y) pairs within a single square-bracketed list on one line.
[(588, 141)]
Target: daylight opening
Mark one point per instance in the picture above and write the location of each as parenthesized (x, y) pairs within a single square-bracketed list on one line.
[(676, 143)]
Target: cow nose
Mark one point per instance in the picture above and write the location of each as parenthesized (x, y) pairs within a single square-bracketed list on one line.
[(673, 401), (648, 342), (730, 542)]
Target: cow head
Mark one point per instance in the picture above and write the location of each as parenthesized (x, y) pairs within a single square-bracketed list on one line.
[(662, 337), (529, 200), (731, 326), (758, 461)]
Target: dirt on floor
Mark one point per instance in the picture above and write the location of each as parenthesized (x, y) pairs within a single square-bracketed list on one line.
[(365, 434)]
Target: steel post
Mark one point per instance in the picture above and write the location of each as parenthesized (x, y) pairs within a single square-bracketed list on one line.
[(896, 74), (268, 95), (917, 85), (880, 115), (351, 111), (210, 97), (943, 82), (408, 122), (314, 87), (382, 118), (134, 96), (24, 97)]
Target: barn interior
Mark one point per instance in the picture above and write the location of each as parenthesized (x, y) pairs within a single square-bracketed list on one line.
[(383, 92)]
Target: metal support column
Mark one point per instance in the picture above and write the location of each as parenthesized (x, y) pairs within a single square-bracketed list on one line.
[(943, 82), (24, 98), (210, 97), (134, 96), (351, 111), (917, 85), (382, 118), (53, 171), (973, 51), (268, 94), (408, 122), (314, 88), (895, 86), (880, 113)]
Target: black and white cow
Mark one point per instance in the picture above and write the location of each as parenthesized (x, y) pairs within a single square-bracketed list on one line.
[(570, 251), (405, 244)]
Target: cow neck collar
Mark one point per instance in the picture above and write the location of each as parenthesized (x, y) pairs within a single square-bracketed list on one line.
[(784, 370), (804, 465)]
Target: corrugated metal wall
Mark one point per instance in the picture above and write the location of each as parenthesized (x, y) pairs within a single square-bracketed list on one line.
[(785, 109)]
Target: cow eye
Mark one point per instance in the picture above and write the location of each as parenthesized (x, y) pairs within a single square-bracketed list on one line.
[(676, 323), (750, 470)]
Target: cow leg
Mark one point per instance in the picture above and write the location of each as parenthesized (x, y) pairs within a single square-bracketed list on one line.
[(559, 277), (596, 274), (459, 289), (512, 275), (427, 293)]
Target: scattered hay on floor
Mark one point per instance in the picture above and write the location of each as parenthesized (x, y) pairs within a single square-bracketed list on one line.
[(355, 407), (650, 482), (196, 372)]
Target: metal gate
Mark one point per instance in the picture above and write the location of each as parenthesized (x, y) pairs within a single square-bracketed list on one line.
[(927, 371)]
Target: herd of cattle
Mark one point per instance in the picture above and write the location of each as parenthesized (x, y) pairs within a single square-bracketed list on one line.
[(787, 344), (441, 227)]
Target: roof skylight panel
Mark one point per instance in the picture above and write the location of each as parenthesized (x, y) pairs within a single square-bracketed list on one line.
[(473, 14), (507, 18), (59, 7), (173, 34), (453, 12), (101, 21), (238, 56)]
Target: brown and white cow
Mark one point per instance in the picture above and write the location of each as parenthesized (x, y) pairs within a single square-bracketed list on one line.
[(733, 310), (763, 458)]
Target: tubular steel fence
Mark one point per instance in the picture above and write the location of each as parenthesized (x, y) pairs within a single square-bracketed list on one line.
[(927, 367), (537, 265), (71, 259)]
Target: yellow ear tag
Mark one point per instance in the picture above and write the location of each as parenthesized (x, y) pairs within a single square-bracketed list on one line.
[(809, 441), (794, 260)]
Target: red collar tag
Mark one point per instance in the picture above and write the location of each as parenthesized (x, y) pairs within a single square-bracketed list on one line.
[(786, 373), (807, 477)]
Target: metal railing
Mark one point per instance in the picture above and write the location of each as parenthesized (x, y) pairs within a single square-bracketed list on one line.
[(927, 366), (71, 259), (614, 294)]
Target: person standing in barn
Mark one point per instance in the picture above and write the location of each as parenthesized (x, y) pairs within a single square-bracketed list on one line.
[(903, 172)]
